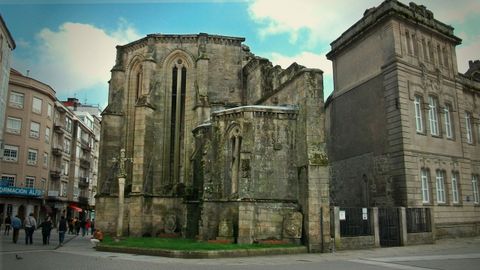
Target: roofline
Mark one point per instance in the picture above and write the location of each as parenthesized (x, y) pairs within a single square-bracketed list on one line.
[(10, 37)]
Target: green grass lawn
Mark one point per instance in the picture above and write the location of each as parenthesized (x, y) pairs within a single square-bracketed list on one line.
[(183, 244)]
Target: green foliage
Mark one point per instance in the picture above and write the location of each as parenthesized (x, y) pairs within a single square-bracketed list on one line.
[(183, 244)]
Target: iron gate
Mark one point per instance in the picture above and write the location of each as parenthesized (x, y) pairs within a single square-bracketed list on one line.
[(389, 225)]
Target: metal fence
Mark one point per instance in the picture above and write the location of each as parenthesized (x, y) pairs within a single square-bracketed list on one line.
[(355, 222), (418, 220)]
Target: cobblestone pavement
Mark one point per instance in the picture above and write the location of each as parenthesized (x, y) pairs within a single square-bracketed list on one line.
[(78, 253)]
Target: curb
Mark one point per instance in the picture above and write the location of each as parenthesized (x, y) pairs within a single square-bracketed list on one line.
[(204, 254)]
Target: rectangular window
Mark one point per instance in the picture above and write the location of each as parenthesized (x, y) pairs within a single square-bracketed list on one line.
[(43, 183), (29, 182), (65, 167), (468, 127), (34, 130), (14, 125), (8, 180), (10, 153), (445, 57), (476, 198), (47, 135), (37, 105), (32, 157), (16, 100), (49, 110), (425, 192), (455, 195), (439, 54), (447, 110), (440, 186), (409, 47), (66, 146), (45, 159), (63, 189), (418, 114), (432, 115), (68, 124)]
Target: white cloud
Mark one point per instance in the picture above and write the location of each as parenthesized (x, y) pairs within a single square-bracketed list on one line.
[(326, 20), (78, 56), (307, 59)]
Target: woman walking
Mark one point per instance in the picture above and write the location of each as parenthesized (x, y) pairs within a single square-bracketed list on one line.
[(46, 229)]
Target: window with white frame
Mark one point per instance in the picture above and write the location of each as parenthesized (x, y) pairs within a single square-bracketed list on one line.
[(29, 181), (34, 130), (14, 125), (66, 146), (418, 114), (32, 157), (16, 100), (455, 195), (63, 189), (10, 153), (425, 192), (432, 115), (68, 124), (43, 183), (447, 114), (65, 167), (37, 105), (468, 127), (440, 184), (8, 180), (476, 198), (45, 159), (47, 135), (49, 110)]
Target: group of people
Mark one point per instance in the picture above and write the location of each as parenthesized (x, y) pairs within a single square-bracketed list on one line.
[(30, 225)]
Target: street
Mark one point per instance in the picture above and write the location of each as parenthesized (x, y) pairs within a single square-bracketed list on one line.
[(78, 253)]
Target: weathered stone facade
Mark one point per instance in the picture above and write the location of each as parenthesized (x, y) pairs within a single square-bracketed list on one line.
[(223, 145), (400, 128)]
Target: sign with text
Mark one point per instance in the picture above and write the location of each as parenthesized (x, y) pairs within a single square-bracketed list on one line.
[(342, 215), (18, 191)]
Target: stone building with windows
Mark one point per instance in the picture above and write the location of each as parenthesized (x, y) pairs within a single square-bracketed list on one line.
[(7, 45), (25, 165), (220, 143), (403, 129)]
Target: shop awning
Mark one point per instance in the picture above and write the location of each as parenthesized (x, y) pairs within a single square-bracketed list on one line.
[(75, 208)]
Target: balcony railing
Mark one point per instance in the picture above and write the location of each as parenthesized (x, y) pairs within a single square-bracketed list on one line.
[(59, 128), (85, 145), (55, 173), (83, 182), (84, 163), (53, 193), (57, 150)]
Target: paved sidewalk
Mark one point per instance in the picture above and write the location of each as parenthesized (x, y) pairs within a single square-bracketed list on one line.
[(7, 245)]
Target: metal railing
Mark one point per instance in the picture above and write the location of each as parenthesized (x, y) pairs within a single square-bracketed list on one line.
[(355, 222), (418, 220)]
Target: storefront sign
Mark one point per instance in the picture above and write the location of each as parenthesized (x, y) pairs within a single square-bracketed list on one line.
[(28, 192)]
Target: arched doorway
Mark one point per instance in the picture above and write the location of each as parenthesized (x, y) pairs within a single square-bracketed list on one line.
[(21, 212)]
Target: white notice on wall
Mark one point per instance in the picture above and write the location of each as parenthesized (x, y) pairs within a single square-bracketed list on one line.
[(342, 215), (365, 213)]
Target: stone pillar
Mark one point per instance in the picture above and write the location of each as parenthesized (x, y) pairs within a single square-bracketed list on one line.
[(246, 218), (376, 227), (121, 188), (141, 154), (336, 226), (402, 216)]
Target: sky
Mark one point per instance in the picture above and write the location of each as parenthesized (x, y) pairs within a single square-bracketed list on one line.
[(70, 44)]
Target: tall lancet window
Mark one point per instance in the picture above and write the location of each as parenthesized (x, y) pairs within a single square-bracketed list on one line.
[(177, 113), (138, 85), (235, 146)]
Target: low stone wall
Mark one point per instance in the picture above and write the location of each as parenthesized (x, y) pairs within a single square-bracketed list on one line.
[(450, 230), (358, 242), (204, 254), (420, 238)]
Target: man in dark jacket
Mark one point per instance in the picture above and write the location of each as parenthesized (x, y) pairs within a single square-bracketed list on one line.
[(16, 225), (62, 229), (46, 226)]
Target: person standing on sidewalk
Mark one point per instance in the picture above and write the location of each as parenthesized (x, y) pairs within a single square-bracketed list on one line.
[(30, 225), (8, 222), (16, 225), (62, 229), (46, 229)]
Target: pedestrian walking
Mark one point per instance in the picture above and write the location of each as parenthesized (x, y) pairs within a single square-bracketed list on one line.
[(62, 229), (92, 226), (87, 225), (76, 223), (30, 225), (46, 226), (16, 225), (70, 226), (8, 222), (83, 226)]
